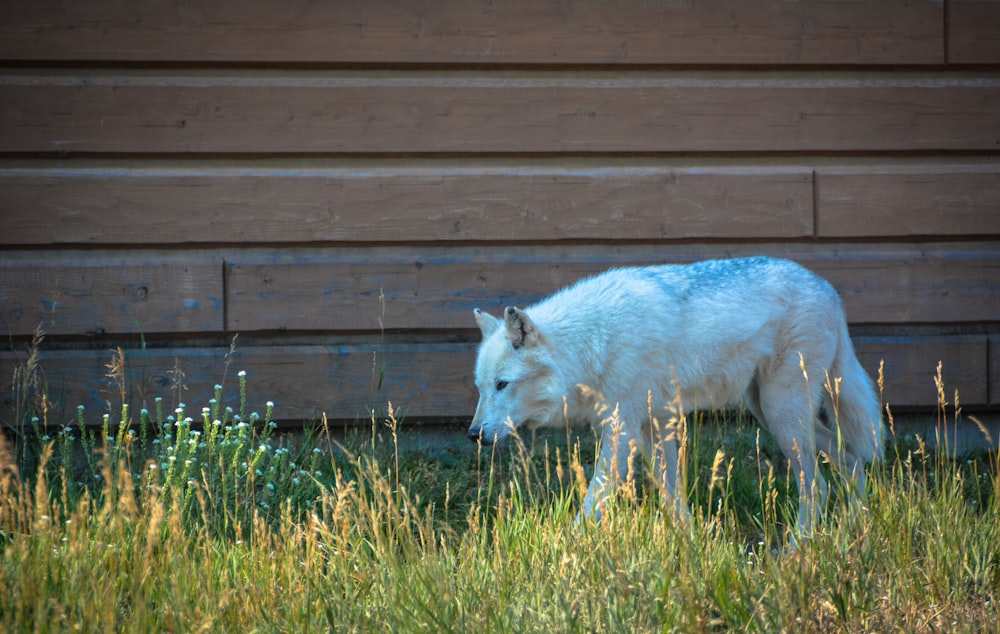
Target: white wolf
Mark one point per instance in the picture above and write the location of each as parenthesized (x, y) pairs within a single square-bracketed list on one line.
[(762, 331)]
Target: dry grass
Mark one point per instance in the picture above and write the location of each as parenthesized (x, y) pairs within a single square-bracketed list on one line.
[(165, 522)]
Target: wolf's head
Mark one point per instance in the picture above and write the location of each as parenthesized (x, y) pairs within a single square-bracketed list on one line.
[(518, 380)]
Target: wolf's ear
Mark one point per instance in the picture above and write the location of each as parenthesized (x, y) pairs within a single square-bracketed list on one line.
[(487, 322), (521, 331)]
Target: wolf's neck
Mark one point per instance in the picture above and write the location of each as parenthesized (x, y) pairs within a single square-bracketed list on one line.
[(580, 357)]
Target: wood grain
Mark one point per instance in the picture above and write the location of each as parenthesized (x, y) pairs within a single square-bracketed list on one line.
[(994, 369), (915, 287), (908, 200), (392, 201), (348, 383), (911, 365), (973, 32), (378, 112), (81, 293), (494, 200), (438, 291), (462, 32)]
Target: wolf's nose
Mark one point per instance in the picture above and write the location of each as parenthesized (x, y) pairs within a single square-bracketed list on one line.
[(474, 433)]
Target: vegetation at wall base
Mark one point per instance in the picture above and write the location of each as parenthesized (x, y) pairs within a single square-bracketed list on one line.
[(212, 519)]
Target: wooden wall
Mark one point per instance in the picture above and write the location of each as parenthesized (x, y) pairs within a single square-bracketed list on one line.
[(341, 183)]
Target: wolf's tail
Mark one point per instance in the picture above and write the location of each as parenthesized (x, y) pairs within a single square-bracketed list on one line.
[(856, 410)]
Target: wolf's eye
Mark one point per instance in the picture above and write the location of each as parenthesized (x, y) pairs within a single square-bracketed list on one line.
[(501, 385)]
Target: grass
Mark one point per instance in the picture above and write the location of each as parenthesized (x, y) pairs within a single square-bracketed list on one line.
[(209, 519)]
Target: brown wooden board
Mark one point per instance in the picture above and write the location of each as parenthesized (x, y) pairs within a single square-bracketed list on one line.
[(80, 293), (973, 32), (347, 382), (421, 380), (437, 289), (462, 32), (495, 111), (391, 201), (912, 199), (102, 202), (994, 369), (910, 367), (918, 286)]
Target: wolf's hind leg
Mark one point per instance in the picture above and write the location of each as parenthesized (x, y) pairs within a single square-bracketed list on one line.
[(846, 461), (789, 412)]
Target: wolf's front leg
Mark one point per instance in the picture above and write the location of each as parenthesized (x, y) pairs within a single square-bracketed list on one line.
[(666, 466), (612, 468)]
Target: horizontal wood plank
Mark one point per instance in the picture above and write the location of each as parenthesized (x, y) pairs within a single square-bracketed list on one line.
[(391, 201), (908, 200), (366, 289), (347, 382), (421, 380), (82, 293), (973, 32), (461, 32), (474, 112), (914, 287), (910, 367), (994, 369), (437, 290)]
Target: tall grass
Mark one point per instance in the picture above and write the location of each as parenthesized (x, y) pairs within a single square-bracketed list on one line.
[(210, 520)]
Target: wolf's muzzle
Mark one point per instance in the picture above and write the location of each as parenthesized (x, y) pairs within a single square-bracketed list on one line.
[(475, 434)]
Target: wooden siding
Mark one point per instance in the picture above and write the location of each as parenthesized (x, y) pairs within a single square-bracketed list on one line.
[(81, 293), (495, 112), (342, 289), (421, 199), (993, 372), (893, 287), (463, 32), (922, 200), (341, 183), (429, 380), (458, 200)]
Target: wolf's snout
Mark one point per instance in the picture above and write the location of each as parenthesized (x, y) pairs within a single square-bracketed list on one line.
[(475, 434)]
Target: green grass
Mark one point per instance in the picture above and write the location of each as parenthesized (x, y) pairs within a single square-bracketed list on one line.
[(211, 520)]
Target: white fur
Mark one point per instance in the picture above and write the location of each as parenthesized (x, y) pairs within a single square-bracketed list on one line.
[(706, 335)]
